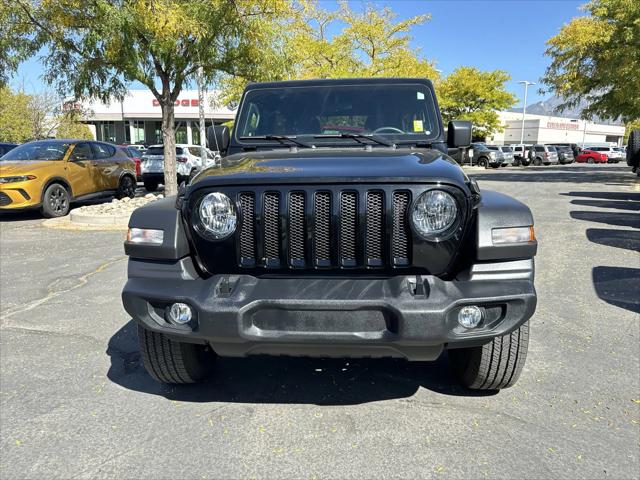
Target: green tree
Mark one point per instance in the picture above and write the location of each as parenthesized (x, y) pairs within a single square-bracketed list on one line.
[(597, 58), (15, 126), (320, 43), (94, 48), (69, 125), (634, 125), (471, 94), (15, 39)]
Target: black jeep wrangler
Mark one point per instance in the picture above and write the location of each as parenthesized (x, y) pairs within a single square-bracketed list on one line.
[(338, 226)]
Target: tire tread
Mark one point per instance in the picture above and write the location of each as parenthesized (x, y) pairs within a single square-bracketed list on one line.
[(168, 361), (495, 365)]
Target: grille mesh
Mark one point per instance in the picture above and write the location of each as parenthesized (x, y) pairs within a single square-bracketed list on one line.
[(348, 225), (322, 226), (296, 226), (400, 236), (4, 199), (347, 229), (272, 225), (247, 232), (375, 225)]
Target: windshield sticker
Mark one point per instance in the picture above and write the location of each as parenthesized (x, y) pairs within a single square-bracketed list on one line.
[(420, 96), (417, 126)]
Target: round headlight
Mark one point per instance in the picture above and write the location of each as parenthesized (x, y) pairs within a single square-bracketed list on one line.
[(434, 212), (217, 216)]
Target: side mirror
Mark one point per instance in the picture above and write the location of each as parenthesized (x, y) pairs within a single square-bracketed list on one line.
[(218, 138), (459, 134)]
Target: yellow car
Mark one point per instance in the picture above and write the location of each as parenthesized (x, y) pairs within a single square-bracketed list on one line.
[(51, 174)]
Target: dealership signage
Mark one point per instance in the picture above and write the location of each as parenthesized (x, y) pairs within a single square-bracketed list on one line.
[(184, 102), (562, 126)]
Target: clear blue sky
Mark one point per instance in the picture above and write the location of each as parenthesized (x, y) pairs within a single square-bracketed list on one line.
[(505, 34)]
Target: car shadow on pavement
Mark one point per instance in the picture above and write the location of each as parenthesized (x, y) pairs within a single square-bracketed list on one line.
[(627, 239), (559, 174), (286, 380), (610, 218), (618, 286), (617, 204), (20, 216), (626, 196)]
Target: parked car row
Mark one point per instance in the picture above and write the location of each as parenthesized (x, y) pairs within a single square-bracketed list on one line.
[(188, 164), (541, 154)]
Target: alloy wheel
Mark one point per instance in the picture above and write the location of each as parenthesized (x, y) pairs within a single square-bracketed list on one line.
[(58, 199)]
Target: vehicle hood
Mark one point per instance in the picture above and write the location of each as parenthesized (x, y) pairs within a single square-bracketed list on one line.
[(332, 165), (10, 168)]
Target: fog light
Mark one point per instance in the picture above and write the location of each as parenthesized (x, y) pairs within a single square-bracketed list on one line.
[(180, 313), (470, 316)]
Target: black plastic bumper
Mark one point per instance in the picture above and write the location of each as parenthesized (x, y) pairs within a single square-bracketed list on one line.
[(403, 316)]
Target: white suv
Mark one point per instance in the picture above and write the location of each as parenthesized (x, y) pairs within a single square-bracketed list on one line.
[(614, 153), (188, 163)]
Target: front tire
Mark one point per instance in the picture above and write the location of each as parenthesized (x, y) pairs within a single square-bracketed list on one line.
[(483, 162), (56, 201), (492, 366), (169, 361), (126, 187), (150, 185)]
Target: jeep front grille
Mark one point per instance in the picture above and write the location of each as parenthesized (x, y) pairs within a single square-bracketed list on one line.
[(324, 228)]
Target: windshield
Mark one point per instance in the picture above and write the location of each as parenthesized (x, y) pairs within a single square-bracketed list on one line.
[(43, 150), (507, 149), (396, 112)]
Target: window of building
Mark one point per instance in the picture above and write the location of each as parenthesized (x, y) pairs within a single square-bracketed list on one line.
[(181, 133), (134, 133), (108, 131)]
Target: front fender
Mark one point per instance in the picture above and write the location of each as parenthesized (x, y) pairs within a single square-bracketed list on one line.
[(159, 215), (497, 210)]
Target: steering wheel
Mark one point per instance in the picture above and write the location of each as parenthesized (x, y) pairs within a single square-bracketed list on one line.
[(388, 129)]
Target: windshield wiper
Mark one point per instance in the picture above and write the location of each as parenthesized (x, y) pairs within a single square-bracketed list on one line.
[(357, 137), (279, 138)]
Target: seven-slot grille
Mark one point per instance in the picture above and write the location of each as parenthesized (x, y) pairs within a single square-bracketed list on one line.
[(324, 229)]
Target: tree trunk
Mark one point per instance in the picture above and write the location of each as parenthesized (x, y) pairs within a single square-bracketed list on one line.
[(169, 141)]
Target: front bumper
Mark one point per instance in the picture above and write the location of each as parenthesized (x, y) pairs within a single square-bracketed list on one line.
[(414, 317), (19, 195)]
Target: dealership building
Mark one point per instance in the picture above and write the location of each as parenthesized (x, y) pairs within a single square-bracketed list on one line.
[(545, 129), (138, 118)]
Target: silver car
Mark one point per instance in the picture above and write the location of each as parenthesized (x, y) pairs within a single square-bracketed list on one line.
[(509, 157), (543, 154), (485, 156)]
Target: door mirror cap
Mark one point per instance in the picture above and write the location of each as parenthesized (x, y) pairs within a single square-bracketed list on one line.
[(218, 138), (459, 134)]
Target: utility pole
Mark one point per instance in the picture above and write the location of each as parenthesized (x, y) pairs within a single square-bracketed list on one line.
[(203, 140), (524, 107)]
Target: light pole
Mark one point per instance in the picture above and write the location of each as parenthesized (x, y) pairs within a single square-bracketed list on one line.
[(524, 108)]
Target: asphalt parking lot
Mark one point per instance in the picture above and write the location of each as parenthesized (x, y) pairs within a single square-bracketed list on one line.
[(75, 401)]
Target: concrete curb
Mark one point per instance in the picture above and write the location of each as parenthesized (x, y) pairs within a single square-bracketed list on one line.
[(83, 218), (65, 223)]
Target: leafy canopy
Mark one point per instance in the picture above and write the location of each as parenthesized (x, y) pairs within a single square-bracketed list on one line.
[(15, 126), (471, 94), (319, 43), (26, 117), (597, 58), (70, 126)]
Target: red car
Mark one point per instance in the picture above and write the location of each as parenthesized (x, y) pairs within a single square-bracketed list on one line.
[(133, 154), (589, 156)]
